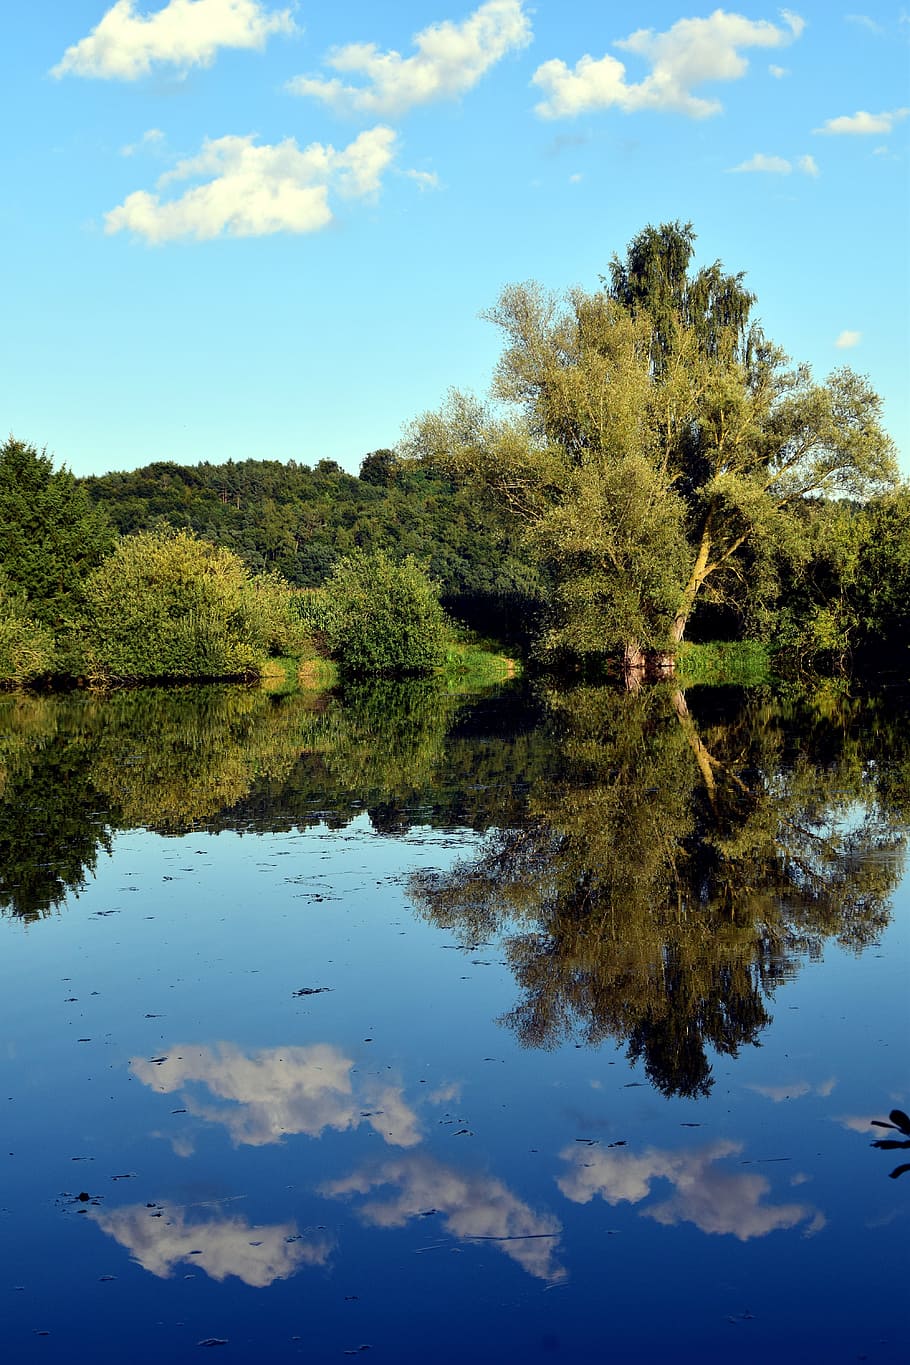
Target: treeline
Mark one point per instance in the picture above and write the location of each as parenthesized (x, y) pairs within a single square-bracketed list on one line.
[(835, 596), (81, 602), (300, 521)]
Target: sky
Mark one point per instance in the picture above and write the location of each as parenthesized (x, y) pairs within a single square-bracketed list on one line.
[(239, 229)]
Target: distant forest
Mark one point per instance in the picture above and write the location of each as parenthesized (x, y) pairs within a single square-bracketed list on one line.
[(301, 520)]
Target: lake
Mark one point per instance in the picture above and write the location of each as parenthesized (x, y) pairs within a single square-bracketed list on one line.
[(546, 1025)]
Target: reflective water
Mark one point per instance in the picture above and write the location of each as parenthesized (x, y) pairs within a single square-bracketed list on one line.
[(549, 1026)]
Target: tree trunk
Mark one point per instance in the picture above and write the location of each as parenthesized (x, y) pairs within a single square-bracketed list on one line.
[(702, 757), (633, 665), (696, 578)]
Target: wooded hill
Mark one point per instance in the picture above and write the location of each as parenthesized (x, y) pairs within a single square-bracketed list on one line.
[(301, 520)]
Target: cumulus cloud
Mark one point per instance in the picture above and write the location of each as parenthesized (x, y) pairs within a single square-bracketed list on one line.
[(449, 61), (776, 165), (262, 1097), (685, 56), (778, 72), (160, 1239), (863, 124), (471, 1207), (127, 43), (252, 191), (713, 1200), (848, 339)]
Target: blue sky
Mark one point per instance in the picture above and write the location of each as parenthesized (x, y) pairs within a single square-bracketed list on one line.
[(258, 229)]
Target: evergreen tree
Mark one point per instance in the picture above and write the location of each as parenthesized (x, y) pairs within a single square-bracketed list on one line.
[(51, 537)]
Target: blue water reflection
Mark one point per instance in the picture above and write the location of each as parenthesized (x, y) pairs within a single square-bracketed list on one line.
[(260, 1096)]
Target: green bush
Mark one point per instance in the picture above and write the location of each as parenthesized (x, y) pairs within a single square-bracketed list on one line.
[(279, 623), (385, 618), (166, 605), (27, 649)]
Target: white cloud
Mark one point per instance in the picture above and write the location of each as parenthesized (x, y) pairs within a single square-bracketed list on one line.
[(126, 43), (161, 1239), (713, 1200), (449, 61), (152, 137), (262, 1097), (778, 72), (472, 1206), (864, 124), (847, 339), (426, 180), (687, 55), (252, 191), (771, 165), (776, 165)]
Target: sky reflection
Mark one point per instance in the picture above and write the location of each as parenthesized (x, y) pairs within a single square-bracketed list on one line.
[(715, 1201), (470, 1205), (160, 1239), (262, 1097)]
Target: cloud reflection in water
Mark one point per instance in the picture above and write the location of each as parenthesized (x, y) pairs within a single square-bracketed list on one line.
[(279, 1091), (715, 1201), (160, 1240), (472, 1206)]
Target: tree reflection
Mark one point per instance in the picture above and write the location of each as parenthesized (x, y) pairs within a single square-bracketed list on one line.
[(75, 769), (52, 819), (675, 872)]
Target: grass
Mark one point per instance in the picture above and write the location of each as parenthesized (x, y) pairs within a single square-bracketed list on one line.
[(724, 663), (471, 664), (474, 664), (286, 673)]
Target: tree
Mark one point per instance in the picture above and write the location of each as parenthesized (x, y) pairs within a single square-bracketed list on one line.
[(165, 604), (660, 447), (51, 538), (385, 618)]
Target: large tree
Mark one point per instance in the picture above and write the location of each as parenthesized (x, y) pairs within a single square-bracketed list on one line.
[(51, 537), (655, 445)]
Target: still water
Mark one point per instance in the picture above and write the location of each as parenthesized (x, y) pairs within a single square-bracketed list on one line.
[(545, 1026)]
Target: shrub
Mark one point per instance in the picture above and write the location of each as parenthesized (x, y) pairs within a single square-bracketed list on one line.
[(27, 648), (385, 618), (167, 605)]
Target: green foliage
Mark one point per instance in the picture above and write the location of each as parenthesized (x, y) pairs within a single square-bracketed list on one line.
[(168, 605), (50, 536), (661, 451), (386, 619), (314, 609), (27, 649), (882, 580), (723, 663), (300, 521)]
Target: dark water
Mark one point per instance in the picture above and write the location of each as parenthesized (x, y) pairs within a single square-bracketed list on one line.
[(547, 1027)]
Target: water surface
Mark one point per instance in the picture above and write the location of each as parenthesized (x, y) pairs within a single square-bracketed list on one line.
[(549, 1025)]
